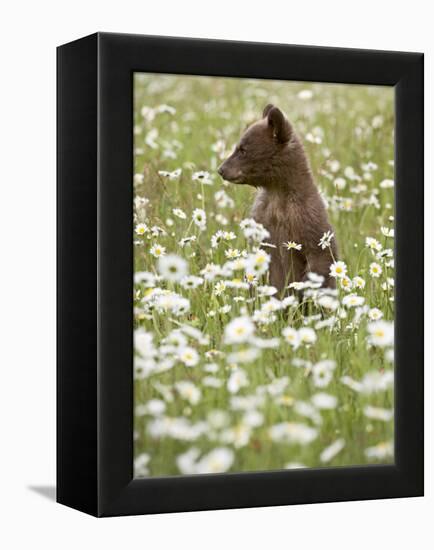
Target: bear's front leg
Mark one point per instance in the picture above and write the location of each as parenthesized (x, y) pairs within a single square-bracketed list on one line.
[(287, 266), (277, 272), (319, 261)]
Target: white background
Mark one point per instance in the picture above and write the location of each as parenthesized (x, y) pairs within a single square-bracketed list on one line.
[(30, 31)]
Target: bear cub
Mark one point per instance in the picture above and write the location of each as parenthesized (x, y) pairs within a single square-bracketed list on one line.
[(271, 158)]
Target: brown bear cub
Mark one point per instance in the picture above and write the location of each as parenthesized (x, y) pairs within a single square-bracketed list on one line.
[(271, 157)]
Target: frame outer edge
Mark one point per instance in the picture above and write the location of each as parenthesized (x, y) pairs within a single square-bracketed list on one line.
[(76, 276), (118, 493), (409, 391)]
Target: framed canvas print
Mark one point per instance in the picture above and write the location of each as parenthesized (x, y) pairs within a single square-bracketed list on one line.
[(240, 274)]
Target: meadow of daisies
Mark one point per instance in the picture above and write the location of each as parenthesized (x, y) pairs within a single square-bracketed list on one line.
[(230, 376)]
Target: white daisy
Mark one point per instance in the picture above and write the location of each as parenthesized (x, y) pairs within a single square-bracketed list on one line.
[(143, 343), (232, 253), (191, 282), (359, 283), (292, 433), (179, 213), (340, 183), (237, 380), (377, 413), (217, 238), (212, 382), (253, 230), (199, 218), (188, 356), (322, 373), (186, 462), (346, 283), (223, 200), (380, 451), (387, 184), (187, 240), (381, 333), (291, 245), (333, 164), (188, 391), (141, 465), (219, 288), (388, 284), (353, 300), (251, 279), (307, 335), (373, 244), (243, 356), (375, 270), (157, 250), (294, 466), (326, 240), (163, 108), (211, 271), (257, 263), (221, 219), (180, 306), (266, 290), (229, 235), (138, 179), (328, 302), (154, 407), (151, 138), (145, 278), (375, 314), (338, 269), (202, 177), (324, 401), (291, 336), (141, 229), (176, 338), (216, 461), (239, 330), (265, 343), (253, 418), (332, 450), (170, 175), (305, 94), (172, 267), (388, 232), (315, 278), (157, 231)]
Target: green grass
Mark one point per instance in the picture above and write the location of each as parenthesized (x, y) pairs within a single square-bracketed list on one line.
[(216, 111)]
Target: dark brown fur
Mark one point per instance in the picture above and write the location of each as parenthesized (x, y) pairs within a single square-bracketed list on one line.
[(271, 158)]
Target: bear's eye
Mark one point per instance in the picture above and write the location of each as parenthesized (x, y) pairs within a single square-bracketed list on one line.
[(242, 150)]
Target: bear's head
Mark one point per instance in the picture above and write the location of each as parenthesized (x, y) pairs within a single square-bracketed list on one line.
[(262, 151)]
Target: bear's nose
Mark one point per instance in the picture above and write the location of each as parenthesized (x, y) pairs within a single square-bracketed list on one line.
[(220, 170)]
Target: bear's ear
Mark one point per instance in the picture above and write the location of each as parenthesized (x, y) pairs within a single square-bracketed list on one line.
[(267, 109), (279, 125)]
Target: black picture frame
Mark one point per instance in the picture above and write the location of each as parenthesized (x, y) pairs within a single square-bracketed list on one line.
[(95, 274)]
